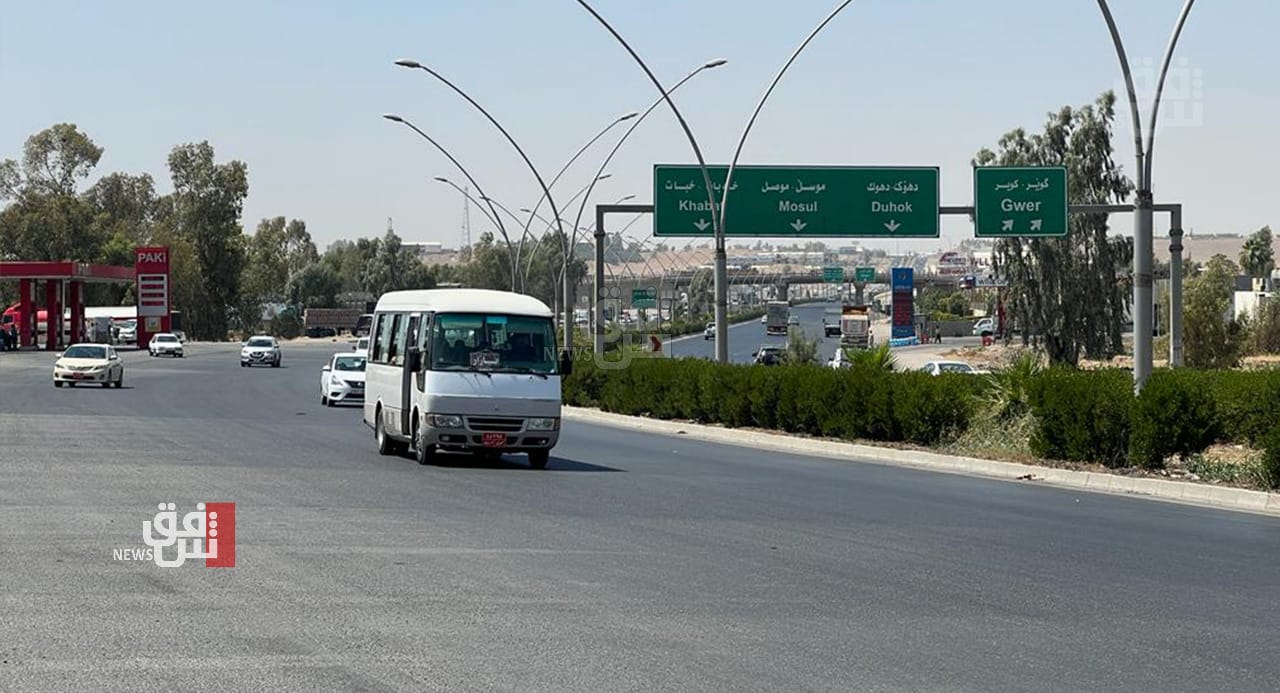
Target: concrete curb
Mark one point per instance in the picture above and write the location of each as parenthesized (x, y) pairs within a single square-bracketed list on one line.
[(1219, 497)]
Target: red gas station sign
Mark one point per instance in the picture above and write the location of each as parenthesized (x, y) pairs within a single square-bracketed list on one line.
[(151, 265)]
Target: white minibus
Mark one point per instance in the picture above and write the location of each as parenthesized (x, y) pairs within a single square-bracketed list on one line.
[(467, 370)]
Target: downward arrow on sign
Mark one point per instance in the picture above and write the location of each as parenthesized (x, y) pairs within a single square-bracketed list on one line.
[(798, 225), (892, 225), (701, 224)]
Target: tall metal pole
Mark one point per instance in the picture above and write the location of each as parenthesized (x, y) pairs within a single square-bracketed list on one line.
[(501, 228), (1175, 287), (722, 346), (581, 150), (463, 192), (1143, 202), (555, 210), (721, 257)]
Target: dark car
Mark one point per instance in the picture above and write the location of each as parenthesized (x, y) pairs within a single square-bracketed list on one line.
[(321, 332)]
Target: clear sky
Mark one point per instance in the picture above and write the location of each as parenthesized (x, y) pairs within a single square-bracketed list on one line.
[(296, 89)]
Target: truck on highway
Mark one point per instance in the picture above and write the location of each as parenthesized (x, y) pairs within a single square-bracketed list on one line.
[(831, 323), (855, 327), (776, 314), (336, 319)]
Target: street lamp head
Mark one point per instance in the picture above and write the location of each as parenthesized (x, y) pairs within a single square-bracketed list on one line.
[(405, 62), (625, 198), (629, 116), (526, 210), (607, 175), (715, 63), (393, 117), (442, 179)]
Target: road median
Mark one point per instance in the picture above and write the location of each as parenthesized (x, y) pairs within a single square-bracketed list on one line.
[(1222, 497)]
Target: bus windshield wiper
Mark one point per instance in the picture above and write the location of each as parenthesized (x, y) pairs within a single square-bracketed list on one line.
[(523, 370)]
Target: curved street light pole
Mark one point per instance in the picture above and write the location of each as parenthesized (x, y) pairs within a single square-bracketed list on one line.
[(1143, 306), (501, 228), (413, 64), (709, 65), (533, 213), (471, 198), (721, 261), (582, 150), (722, 341)]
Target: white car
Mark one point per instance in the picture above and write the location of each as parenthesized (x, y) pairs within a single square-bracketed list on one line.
[(793, 320), (940, 367), (342, 379), (984, 327), (260, 351), (128, 333), (165, 343), (764, 319), (89, 363), (362, 346), (710, 332)]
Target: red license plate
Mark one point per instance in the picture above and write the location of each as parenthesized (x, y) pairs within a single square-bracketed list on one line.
[(77, 376), (494, 440)]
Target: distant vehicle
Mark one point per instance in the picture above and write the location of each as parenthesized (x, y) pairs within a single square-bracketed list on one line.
[(831, 323), (342, 379), (182, 336), (940, 367), (793, 320), (260, 351), (467, 370), (984, 327), (362, 346), (764, 319), (128, 333), (855, 327), (89, 363), (363, 325), (769, 355), (776, 315), (710, 331), (165, 343), (839, 360)]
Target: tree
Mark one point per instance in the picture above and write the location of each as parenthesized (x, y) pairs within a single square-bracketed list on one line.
[(53, 161), (124, 214), (315, 286), (1257, 257), (266, 271), (1212, 336), (800, 350), (1075, 290), (207, 200)]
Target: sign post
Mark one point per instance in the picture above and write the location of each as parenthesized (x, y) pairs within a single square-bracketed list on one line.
[(644, 298), (902, 281), (151, 266), (1019, 201), (800, 201)]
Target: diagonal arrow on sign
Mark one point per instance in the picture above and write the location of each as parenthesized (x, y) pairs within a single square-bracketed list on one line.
[(701, 224), (1036, 224), (797, 225), (1006, 225), (892, 225)]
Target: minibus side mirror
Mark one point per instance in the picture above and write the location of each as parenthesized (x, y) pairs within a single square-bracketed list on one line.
[(413, 359)]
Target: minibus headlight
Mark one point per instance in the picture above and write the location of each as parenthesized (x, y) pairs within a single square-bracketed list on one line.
[(544, 424), (445, 420)]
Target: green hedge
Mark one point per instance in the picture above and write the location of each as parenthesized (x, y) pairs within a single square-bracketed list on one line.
[(850, 403), (1086, 416)]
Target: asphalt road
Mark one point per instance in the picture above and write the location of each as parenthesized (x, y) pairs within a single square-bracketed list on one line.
[(634, 563), (746, 338)]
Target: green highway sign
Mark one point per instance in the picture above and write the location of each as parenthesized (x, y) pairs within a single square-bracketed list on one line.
[(833, 274), (804, 201), (644, 298), (864, 274), (1017, 201)]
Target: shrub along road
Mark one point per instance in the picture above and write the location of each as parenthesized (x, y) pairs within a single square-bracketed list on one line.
[(634, 563)]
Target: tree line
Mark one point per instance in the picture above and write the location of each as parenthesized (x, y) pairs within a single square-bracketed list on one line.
[(222, 277)]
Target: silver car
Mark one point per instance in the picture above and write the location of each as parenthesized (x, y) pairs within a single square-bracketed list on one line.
[(260, 351)]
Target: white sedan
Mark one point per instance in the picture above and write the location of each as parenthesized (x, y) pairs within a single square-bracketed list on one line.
[(940, 367), (165, 343), (88, 363), (342, 379)]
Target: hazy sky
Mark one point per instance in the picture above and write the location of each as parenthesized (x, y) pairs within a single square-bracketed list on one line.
[(296, 89)]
